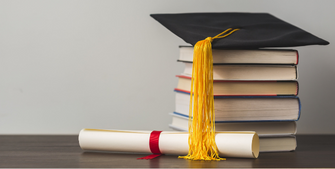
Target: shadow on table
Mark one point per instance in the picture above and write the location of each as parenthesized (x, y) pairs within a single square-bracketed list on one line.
[(129, 160)]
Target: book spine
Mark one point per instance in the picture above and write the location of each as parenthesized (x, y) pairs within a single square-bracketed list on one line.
[(296, 72), (297, 57), (299, 113), (297, 88)]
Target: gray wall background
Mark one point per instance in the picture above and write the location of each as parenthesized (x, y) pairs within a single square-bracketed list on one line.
[(67, 65)]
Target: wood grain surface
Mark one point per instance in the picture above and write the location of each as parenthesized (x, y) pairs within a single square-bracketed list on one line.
[(47, 151)]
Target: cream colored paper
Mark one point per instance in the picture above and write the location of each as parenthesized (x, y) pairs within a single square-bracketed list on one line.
[(230, 144)]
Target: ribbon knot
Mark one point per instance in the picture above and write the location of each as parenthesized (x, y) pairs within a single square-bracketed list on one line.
[(153, 145)]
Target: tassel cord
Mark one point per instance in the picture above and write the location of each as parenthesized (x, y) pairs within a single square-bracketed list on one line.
[(201, 140)]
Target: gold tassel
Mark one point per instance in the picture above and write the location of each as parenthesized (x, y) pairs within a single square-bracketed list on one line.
[(201, 139)]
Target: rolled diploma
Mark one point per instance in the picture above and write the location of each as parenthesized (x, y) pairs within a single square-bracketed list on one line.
[(230, 144)]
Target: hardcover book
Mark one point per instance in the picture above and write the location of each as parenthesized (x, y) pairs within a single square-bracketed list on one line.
[(250, 72), (256, 56), (263, 129), (246, 108), (244, 88)]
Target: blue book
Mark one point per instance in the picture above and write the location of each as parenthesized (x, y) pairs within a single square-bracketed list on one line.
[(246, 108)]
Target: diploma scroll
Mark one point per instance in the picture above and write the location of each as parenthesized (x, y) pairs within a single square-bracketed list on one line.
[(230, 144)]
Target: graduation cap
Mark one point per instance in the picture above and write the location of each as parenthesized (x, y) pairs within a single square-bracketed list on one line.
[(256, 30), (223, 31)]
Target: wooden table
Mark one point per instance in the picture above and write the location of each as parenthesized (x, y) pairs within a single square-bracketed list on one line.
[(19, 151)]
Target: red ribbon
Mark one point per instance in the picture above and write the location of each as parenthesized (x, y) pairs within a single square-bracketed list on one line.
[(154, 145)]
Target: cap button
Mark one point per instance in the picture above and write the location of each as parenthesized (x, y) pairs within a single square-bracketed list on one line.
[(209, 39)]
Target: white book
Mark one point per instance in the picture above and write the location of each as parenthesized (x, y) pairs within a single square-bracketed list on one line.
[(246, 109), (250, 72), (263, 129), (273, 136), (260, 56)]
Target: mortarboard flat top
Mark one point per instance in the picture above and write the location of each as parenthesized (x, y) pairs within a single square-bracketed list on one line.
[(257, 30)]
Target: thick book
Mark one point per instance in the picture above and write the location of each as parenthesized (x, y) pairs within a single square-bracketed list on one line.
[(244, 88), (277, 144), (273, 136), (246, 108), (263, 129), (250, 72), (273, 143), (259, 56)]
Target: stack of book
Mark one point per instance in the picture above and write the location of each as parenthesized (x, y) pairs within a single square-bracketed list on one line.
[(254, 90)]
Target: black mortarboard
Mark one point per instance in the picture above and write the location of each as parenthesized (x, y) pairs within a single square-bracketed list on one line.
[(223, 30), (256, 30)]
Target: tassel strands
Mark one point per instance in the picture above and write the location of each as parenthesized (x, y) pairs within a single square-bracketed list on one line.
[(201, 140)]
